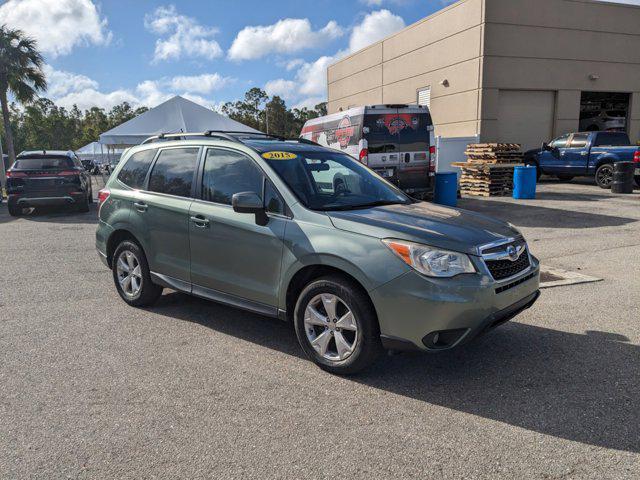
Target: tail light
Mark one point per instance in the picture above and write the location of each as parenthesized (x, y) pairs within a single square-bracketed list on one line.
[(636, 156), (103, 195), (68, 173), (11, 174), (432, 159), (364, 156)]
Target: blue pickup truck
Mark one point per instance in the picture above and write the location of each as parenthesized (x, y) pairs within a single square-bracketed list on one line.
[(589, 153)]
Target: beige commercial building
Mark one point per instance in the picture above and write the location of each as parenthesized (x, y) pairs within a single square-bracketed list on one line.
[(519, 71)]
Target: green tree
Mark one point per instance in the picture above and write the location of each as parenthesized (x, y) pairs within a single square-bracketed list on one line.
[(20, 74)]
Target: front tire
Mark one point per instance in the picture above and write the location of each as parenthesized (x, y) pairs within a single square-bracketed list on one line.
[(132, 276), (604, 175), (337, 326)]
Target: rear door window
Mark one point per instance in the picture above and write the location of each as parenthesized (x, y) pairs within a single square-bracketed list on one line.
[(612, 140), (134, 172), (173, 171), (380, 135), (579, 140), (226, 173)]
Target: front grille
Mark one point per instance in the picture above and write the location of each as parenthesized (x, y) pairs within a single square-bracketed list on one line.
[(501, 269)]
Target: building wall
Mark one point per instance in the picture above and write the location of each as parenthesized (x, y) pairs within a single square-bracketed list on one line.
[(484, 46), (555, 45), (446, 45)]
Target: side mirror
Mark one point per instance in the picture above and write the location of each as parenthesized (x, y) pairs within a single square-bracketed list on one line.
[(545, 146), (250, 202)]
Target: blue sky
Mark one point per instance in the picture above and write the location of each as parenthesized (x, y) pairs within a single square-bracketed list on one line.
[(144, 51), (103, 52)]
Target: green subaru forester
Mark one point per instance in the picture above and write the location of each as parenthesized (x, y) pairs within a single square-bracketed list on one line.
[(305, 233)]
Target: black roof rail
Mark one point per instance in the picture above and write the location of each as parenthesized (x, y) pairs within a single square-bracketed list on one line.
[(250, 134), (184, 135)]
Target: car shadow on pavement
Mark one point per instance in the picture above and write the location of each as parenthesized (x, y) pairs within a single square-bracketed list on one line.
[(527, 215), (63, 215), (579, 387)]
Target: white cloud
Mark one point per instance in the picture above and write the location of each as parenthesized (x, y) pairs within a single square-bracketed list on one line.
[(286, 36), (67, 89), (375, 26), (309, 86), (181, 36), (284, 89), (57, 25), (205, 83)]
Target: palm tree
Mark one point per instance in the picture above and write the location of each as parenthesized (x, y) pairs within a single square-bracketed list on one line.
[(20, 73)]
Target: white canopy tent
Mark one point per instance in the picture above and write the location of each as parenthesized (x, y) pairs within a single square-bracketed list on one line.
[(173, 116), (96, 152)]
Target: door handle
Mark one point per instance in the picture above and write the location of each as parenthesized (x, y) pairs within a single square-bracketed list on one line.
[(200, 221), (583, 153), (141, 206)]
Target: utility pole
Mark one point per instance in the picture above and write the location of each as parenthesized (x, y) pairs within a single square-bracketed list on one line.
[(3, 172)]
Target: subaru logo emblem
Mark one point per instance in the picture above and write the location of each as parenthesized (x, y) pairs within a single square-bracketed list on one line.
[(512, 252)]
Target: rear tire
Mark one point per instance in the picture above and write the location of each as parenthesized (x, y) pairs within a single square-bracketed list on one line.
[(132, 276), (14, 209), (604, 176), (84, 205), (350, 343)]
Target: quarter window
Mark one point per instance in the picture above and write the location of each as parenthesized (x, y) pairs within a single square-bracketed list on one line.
[(226, 173), (173, 171), (272, 199), (134, 172)]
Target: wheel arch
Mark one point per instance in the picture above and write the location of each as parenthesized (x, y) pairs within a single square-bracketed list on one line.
[(117, 237), (301, 278)]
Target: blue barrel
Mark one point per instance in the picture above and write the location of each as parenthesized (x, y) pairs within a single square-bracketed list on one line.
[(446, 192), (524, 183)]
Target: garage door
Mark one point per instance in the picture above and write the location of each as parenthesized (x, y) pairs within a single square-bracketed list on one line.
[(526, 117)]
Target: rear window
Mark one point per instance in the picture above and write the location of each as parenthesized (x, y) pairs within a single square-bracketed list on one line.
[(43, 163), (612, 140), (404, 132), (134, 172)]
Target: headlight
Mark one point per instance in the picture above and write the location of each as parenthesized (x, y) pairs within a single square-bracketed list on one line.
[(431, 261)]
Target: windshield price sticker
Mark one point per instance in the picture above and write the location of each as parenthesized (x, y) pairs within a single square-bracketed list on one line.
[(279, 155)]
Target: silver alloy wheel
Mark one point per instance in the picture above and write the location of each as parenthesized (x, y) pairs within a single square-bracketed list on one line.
[(331, 327), (129, 273)]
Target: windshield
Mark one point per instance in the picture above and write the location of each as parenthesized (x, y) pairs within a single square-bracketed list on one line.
[(334, 181)]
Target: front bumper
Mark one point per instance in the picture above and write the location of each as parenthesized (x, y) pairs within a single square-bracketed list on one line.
[(416, 312)]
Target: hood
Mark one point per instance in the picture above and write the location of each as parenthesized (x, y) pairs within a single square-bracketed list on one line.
[(442, 227)]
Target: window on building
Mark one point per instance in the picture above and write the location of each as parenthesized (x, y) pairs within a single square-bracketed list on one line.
[(134, 172), (173, 171), (226, 173), (424, 97)]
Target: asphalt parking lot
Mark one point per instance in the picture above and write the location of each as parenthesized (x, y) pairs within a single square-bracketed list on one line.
[(92, 388)]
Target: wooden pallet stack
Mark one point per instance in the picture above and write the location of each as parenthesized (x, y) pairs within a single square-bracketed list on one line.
[(488, 172)]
